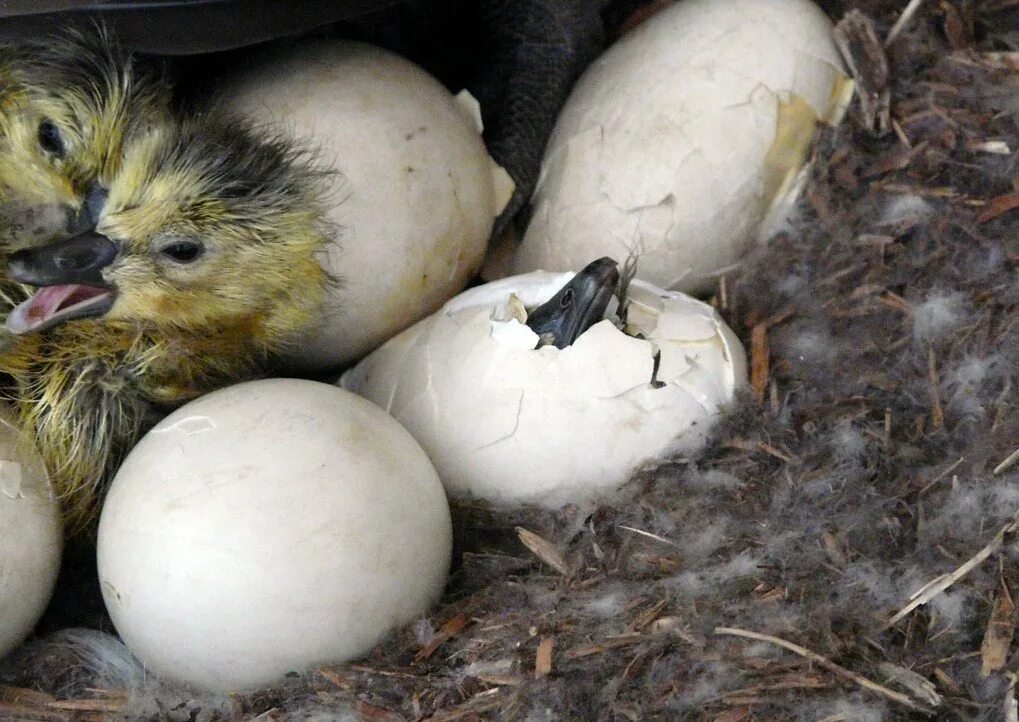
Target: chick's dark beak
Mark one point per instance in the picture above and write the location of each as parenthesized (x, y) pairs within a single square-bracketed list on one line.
[(80, 260), (69, 274), (577, 306)]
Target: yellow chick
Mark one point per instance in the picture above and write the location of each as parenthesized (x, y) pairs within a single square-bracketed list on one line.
[(152, 255)]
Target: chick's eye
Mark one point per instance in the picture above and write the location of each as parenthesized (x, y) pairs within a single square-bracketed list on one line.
[(567, 298), (183, 251), (50, 139)]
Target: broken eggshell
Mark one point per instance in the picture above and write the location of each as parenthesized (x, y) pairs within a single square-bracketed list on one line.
[(415, 194), (678, 139), (30, 536), (510, 424)]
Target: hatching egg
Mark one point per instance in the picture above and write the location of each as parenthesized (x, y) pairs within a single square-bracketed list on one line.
[(508, 422)]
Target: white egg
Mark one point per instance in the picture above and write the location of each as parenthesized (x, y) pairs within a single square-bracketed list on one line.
[(510, 424), (31, 538), (675, 142), (270, 527), (416, 194)]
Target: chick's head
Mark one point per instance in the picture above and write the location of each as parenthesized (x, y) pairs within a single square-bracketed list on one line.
[(68, 105), (171, 222), (215, 226)]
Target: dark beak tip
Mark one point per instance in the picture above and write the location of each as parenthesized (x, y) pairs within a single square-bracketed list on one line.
[(79, 259), (604, 269), (602, 264)]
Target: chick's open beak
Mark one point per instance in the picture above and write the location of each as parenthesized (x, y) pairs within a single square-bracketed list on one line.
[(578, 305), (69, 274)]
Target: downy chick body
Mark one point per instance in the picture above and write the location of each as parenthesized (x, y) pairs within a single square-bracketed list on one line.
[(152, 255)]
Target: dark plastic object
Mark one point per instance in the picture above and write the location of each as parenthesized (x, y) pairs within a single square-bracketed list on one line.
[(181, 27)]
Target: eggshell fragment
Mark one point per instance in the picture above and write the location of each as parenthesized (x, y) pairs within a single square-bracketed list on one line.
[(31, 539), (267, 528), (416, 194), (677, 140), (510, 424)]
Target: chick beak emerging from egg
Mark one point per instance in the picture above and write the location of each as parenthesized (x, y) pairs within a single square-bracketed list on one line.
[(70, 280), (577, 306)]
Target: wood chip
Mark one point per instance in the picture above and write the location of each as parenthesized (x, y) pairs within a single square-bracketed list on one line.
[(623, 640), (20, 695), (939, 584), (942, 475), (947, 682), (893, 300), (500, 680), (834, 549), (921, 687), (371, 712), (545, 550), (543, 658), (791, 681), (827, 664), (995, 147), (1008, 462), (999, 634), (759, 357), (648, 534), (364, 669), (334, 677), (736, 714), (772, 451), (898, 158), (999, 205), (14, 711), (904, 19), (1002, 60), (958, 31), (1011, 708), (937, 409), (646, 618), (88, 705), (865, 57), (448, 630)]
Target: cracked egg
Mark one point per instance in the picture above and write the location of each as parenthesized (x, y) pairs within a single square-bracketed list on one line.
[(686, 139), (31, 539), (267, 528), (415, 195), (510, 421)]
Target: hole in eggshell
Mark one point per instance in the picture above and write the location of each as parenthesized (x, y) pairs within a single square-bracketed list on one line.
[(638, 319)]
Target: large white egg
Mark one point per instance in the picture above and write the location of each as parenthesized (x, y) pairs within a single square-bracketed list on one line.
[(31, 538), (416, 194), (675, 142), (510, 424), (270, 527)]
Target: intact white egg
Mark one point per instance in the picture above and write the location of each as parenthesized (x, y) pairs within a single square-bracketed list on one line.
[(270, 527), (31, 538), (675, 142), (510, 424), (416, 192)]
